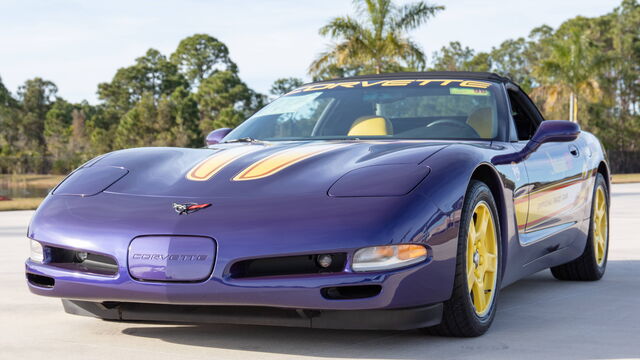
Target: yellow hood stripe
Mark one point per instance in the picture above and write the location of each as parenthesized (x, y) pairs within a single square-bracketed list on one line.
[(282, 160), (210, 166)]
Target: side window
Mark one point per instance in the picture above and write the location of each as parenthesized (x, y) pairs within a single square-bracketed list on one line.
[(525, 124)]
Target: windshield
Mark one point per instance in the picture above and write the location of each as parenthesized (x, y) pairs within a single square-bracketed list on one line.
[(393, 109)]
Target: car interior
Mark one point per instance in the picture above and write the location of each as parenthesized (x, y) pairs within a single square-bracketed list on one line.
[(526, 121), (357, 117), (407, 113)]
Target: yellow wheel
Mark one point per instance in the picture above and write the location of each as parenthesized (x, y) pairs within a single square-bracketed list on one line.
[(482, 258), (600, 226), (591, 264), (476, 286)]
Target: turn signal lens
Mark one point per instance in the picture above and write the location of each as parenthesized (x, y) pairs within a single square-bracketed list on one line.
[(37, 252), (408, 252), (388, 257)]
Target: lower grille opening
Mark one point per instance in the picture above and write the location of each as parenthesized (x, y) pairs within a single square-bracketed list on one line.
[(41, 281), (289, 265), (81, 261), (351, 292)]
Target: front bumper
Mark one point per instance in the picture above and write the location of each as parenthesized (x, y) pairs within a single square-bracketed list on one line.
[(329, 226), (408, 287), (390, 319)]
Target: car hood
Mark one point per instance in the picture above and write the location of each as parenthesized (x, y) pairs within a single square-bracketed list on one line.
[(250, 169)]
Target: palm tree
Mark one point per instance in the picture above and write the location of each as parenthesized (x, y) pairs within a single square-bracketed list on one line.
[(571, 70), (375, 41)]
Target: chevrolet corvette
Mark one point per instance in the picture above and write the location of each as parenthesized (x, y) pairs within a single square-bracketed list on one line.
[(393, 201)]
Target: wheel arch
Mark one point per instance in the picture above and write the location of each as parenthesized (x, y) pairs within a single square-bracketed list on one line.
[(604, 170), (489, 175)]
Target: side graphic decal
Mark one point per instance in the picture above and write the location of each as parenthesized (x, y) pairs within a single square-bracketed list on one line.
[(547, 202)]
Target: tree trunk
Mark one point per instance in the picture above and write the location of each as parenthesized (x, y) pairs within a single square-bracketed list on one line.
[(575, 108), (571, 107)]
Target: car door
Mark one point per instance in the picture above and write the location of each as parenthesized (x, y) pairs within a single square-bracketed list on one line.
[(557, 179)]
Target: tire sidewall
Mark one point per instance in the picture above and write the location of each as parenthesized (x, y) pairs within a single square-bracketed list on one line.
[(478, 192), (600, 269)]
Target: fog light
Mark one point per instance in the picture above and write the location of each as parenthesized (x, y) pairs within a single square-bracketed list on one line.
[(81, 256), (325, 260), (37, 252), (388, 257)]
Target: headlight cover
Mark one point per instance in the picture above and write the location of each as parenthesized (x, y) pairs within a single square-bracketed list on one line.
[(379, 180), (90, 181), (388, 257)]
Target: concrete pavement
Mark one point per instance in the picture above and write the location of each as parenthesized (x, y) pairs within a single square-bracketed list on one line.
[(538, 317)]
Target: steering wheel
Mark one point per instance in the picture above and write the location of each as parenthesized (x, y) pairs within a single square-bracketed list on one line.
[(460, 125)]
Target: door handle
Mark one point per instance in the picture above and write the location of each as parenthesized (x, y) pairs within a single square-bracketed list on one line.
[(574, 150)]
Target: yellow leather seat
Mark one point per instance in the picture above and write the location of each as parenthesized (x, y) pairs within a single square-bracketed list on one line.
[(371, 125), (481, 120)]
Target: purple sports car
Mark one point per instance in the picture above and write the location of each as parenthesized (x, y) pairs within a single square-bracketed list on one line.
[(394, 201)]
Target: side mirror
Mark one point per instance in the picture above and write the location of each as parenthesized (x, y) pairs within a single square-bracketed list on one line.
[(555, 131), (548, 131), (216, 136)]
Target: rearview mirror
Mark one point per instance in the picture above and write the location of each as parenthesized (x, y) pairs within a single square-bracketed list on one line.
[(216, 136), (548, 131)]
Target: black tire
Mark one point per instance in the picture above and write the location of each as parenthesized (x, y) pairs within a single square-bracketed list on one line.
[(586, 267), (459, 318)]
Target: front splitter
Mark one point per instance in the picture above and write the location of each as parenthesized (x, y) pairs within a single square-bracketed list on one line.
[(383, 319)]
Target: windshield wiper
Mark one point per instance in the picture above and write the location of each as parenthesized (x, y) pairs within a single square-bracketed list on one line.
[(244, 139)]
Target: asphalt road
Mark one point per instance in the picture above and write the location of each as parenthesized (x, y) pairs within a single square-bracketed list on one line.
[(538, 317)]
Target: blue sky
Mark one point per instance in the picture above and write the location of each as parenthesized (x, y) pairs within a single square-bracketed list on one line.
[(78, 44)]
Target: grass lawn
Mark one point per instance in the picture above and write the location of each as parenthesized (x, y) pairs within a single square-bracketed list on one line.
[(25, 181), (625, 178), (30, 180), (20, 204)]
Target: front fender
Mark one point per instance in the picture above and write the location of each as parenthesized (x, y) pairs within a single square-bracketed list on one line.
[(451, 171), (446, 185)]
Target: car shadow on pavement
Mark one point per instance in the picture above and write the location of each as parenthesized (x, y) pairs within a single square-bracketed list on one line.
[(537, 316)]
